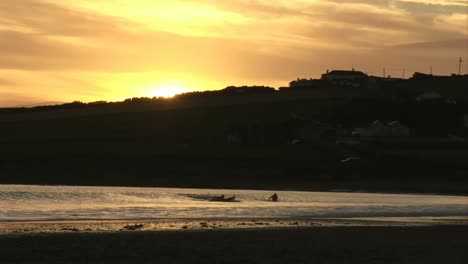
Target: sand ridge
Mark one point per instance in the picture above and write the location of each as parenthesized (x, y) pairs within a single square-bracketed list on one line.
[(96, 226)]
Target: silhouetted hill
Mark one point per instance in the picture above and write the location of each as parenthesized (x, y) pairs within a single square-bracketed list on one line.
[(235, 138)]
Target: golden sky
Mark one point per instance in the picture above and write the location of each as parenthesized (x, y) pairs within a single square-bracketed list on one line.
[(88, 50)]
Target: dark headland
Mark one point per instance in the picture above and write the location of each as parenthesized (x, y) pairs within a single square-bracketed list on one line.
[(346, 130)]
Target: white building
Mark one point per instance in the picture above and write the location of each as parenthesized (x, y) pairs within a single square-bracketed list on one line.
[(428, 96), (397, 129), (380, 129)]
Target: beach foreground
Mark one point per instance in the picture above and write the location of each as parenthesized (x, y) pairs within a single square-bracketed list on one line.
[(339, 241)]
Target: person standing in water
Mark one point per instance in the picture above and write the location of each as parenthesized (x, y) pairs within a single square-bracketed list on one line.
[(273, 198)]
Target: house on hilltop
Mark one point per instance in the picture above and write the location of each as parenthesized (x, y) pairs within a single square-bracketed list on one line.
[(352, 79), (339, 75), (305, 83)]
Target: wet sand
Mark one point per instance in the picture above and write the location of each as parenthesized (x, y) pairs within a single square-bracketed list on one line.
[(237, 241), (160, 225)]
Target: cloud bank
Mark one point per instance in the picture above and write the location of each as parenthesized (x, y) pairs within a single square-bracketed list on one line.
[(63, 50)]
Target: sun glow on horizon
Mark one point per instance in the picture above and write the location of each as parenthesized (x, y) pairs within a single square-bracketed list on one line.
[(167, 91), (113, 50)]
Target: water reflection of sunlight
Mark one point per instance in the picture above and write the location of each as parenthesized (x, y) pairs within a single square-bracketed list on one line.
[(47, 202)]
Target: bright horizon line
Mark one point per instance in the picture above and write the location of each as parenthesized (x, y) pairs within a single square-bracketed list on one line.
[(116, 49), (168, 96)]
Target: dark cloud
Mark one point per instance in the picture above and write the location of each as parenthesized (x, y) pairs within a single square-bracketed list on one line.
[(431, 8), (42, 48), (58, 38), (9, 99), (356, 25), (53, 20), (441, 7), (455, 45), (37, 36)]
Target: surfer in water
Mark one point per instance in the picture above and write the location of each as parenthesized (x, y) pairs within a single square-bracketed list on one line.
[(273, 198)]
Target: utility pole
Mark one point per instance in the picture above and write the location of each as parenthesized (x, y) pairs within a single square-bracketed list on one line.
[(431, 70), (404, 72), (384, 73), (459, 65)]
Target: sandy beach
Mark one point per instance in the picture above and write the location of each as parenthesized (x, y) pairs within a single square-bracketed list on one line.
[(162, 225), (423, 240)]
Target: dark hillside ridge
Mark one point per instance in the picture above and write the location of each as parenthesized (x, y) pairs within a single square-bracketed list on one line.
[(249, 137)]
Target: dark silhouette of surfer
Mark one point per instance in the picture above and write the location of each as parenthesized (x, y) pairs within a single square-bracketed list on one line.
[(273, 198)]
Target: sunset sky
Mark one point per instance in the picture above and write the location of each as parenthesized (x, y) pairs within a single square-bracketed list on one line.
[(88, 50)]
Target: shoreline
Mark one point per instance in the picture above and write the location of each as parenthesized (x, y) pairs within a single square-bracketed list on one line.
[(217, 224)]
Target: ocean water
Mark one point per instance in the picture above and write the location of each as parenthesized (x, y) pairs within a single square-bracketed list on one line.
[(47, 203)]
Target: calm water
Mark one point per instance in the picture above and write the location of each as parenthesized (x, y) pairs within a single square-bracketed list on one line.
[(22, 203)]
